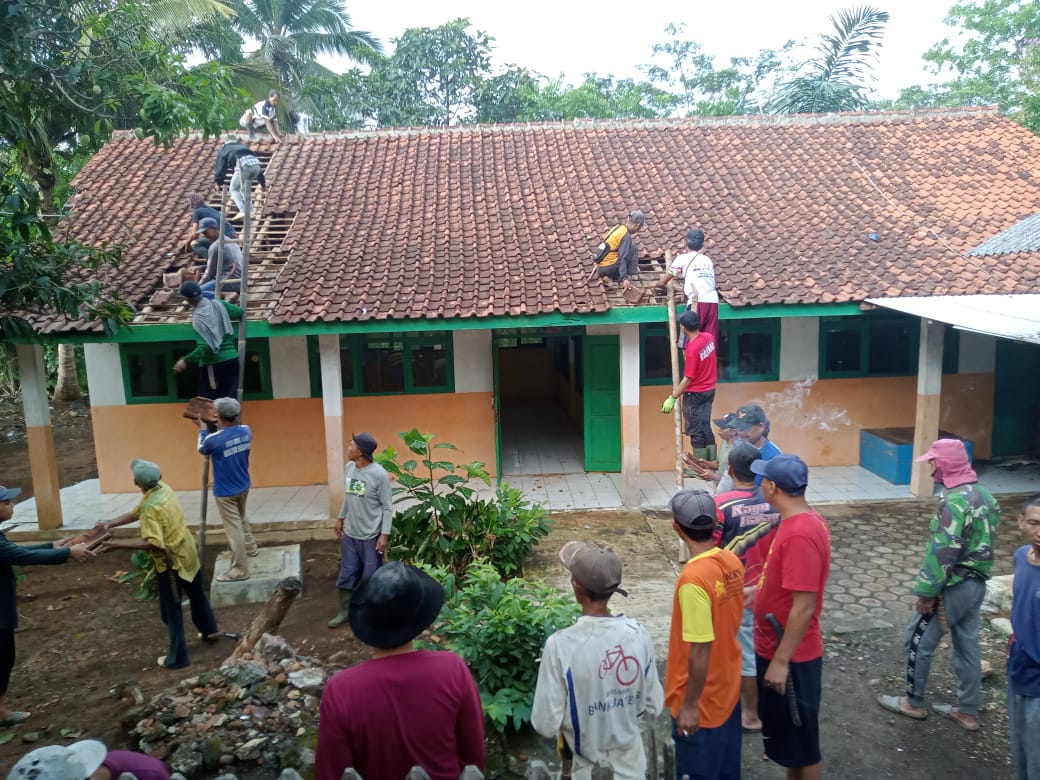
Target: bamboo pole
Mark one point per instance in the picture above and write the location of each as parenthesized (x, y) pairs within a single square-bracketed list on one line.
[(243, 298), (673, 354)]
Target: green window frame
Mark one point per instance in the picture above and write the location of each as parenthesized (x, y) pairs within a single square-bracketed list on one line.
[(395, 360), (749, 350), (874, 344), (149, 378), (655, 367)]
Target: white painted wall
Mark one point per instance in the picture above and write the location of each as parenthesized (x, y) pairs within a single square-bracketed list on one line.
[(799, 348), (630, 364), (473, 366), (290, 372), (977, 353), (104, 375), (34, 385), (331, 376)]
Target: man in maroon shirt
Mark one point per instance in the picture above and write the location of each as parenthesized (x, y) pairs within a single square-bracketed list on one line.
[(697, 388), (790, 592), (405, 707)]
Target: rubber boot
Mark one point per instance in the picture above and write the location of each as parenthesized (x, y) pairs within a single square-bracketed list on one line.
[(344, 605), (701, 452), (713, 454)]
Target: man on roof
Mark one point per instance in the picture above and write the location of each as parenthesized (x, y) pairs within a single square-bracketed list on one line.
[(263, 116), (247, 170), (200, 211), (231, 272), (620, 259)]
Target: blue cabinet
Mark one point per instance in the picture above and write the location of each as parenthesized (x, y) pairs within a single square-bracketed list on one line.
[(889, 452)]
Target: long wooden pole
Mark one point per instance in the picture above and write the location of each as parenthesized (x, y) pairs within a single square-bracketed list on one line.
[(673, 354), (243, 296)]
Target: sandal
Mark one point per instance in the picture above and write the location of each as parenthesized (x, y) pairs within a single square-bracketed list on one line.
[(15, 718), (229, 577), (950, 711), (161, 661), (895, 704)]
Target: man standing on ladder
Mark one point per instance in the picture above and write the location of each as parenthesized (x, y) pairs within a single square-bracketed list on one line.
[(697, 388), (247, 171), (215, 352)]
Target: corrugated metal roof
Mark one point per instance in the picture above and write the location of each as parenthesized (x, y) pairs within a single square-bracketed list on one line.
[(1023, 236), (1015, 317)]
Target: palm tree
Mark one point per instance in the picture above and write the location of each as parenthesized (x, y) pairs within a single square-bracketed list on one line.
[(836, 78), (292, 33)]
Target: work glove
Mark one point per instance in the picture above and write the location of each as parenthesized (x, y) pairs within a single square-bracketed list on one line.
[(668, 405)]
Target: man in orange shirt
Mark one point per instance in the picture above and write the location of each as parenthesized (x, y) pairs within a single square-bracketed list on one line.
[(702, 678)]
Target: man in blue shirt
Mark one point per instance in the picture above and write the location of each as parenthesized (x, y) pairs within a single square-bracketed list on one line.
[(229, 449), (1024, 649), (752, 426)]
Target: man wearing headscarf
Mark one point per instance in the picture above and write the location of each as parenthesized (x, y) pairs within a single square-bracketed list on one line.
[(215, 353), (951, 584), (165, 537)]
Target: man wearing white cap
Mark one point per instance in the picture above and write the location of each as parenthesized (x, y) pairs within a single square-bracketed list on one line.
[(597, 680), (88, 759), (956, 566)]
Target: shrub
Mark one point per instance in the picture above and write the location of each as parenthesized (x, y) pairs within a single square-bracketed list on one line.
[(443, 522), (499, 627)]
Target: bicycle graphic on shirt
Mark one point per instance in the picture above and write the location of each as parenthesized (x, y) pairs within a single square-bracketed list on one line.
[(625, 667)]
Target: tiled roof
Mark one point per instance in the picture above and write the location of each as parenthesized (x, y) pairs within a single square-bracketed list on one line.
[(1021, 237), (492, 220)]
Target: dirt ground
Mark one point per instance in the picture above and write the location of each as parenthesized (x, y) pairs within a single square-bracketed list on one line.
[(83, 635)]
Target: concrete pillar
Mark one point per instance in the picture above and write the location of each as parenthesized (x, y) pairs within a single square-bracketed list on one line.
[(290, 374), (630, 491), (332, 407), (43, 462), (929, 388)]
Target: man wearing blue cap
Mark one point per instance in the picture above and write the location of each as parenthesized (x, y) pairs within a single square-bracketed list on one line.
[(788, 644), (231, 267)]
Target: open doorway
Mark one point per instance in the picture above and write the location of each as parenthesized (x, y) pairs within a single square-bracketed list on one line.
[(539, 386)]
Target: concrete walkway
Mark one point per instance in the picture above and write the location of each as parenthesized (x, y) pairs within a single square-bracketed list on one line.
[(84, 504)]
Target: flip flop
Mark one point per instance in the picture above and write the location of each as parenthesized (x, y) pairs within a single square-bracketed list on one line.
[(161, 660), (891, 703), (225, 577), (15, 719), (950, 711)]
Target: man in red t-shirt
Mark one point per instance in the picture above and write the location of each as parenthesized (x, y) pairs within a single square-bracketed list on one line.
[(697, 388), (790, 591)]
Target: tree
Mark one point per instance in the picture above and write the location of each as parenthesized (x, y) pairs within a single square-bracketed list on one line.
[(433, 77), (70, 72), (995, 59), (836, 78)]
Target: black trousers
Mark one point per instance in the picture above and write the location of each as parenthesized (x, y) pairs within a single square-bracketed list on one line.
[(696, 409), (219, 380), (170, 589), (6, 658)]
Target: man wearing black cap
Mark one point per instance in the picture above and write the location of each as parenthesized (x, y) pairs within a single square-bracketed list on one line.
[(405, 707), (621, 260), (716, 471), (215, 353), (752, 426), (597, 680), (12, 554), (790, 593), (702, 678), (364, 522), (697, 388)]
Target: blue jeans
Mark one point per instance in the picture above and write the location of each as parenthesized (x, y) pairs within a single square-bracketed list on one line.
[(227, 285), (710, 754), (1024, 725), (962, 603), (170, 587)]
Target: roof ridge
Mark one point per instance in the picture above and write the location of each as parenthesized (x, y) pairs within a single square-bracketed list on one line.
[(748, 120)]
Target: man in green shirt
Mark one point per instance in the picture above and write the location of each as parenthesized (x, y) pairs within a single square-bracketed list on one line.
[(951, 586), (215, 351)]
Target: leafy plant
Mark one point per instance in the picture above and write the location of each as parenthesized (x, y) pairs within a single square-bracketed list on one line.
[(442, 520), (499, 627), (144, 569)]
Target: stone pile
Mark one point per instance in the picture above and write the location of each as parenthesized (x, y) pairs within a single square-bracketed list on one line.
[(258, 713)]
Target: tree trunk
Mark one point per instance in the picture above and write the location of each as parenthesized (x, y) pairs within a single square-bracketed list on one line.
[(67, 386), (270, 616)]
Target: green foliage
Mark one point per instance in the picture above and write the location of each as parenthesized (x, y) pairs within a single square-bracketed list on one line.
[(836, 78), (144, 570), (499, 627), (443, 522)]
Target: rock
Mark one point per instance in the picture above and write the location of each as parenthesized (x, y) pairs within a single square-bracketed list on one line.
[(273, 649), (998, 595), (311, 703), (250, 751), (289, 774), (307, 758), (308, 680), (227, 759), (987, 669), (340, 657), (211, 749), (267, 692), (245, 673), (1001, 625), (186, 760), (30, 737), (177, 776), (226, 776)]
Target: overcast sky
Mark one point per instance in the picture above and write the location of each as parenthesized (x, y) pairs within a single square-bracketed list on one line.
[(613, 37)]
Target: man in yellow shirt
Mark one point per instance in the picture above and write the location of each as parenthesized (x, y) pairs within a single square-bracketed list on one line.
[(621, 262), (165, 537)]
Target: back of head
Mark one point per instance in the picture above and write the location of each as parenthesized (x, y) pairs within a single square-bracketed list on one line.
[(394, 606), (952, 464), (788, 472), (690, 320), (195, 200), (146, 474), (695, 239), (694, 511), (228, 408), (594, 566), (741, 456)]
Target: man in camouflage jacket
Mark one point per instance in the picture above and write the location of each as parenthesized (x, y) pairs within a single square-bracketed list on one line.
[(950, 587)]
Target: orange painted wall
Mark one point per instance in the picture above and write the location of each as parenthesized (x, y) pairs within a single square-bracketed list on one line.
[(821, 422), (289, 435)]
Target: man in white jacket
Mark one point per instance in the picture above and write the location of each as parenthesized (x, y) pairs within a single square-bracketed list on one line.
[(597, 681)]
